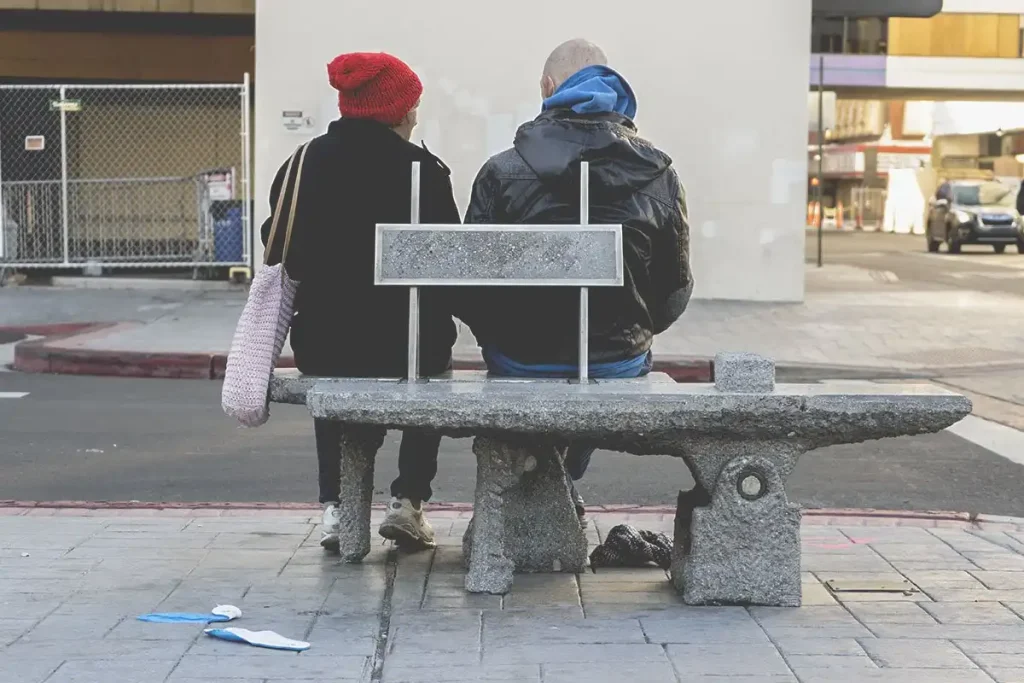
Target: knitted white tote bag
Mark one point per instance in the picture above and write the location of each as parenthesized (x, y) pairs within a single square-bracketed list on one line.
[(266, 317)]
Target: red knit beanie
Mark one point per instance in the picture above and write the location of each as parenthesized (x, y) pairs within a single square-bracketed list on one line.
[(374, 85)]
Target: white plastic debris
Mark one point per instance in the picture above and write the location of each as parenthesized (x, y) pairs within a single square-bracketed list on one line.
[(229, 611)]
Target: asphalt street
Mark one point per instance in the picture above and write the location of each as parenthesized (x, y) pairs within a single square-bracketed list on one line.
[(903, 260), (82, 438)]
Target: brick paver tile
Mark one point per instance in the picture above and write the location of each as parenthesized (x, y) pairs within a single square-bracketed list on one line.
[(975, 595), (944, 578), (808, 667), (562, 654), (804, 617), (88, 671), (728, 660), (976, 647), (431, 631), (811, 645), (894, 653), (949, 631), (972, 613), (997, 561), (527, 673), (1000, 580), (657, 671), (684, 630), (838, 674), (505, 629), (288, 666), (890, 613)]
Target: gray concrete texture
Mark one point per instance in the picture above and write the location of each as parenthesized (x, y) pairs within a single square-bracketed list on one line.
[(741, 544), (499, 254), (74, 582)]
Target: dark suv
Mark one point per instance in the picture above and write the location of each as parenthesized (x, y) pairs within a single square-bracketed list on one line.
[(975, 212)]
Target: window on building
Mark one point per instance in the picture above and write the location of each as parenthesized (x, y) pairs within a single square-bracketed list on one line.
[(850, 36)]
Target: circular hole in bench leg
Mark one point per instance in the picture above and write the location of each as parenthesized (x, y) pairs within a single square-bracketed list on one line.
[(751, 484)]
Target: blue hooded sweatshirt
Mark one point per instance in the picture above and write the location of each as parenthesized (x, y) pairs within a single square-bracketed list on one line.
[(594, 90)]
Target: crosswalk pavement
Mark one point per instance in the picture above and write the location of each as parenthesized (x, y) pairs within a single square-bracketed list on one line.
[(13, 394)]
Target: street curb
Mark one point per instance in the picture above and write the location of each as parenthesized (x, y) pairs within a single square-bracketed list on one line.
[(850, 516), (46, 356)]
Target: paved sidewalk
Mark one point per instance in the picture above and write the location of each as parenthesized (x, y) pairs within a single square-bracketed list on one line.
[(73, 581), (852, 318)]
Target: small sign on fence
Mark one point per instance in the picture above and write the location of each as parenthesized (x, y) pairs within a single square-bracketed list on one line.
[(65, 105), (35, 143)]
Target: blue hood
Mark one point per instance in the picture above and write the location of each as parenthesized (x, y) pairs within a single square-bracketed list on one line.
[(594, 90)]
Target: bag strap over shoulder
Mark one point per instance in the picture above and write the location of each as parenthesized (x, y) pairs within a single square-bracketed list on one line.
[(299, 154)]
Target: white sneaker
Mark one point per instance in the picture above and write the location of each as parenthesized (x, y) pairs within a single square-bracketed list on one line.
[(405, 525), (330, 527)]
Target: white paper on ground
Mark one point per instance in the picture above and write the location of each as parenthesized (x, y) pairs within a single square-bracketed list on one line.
[(268, 639)]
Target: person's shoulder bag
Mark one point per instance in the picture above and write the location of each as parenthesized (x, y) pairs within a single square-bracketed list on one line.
[(266, 317)]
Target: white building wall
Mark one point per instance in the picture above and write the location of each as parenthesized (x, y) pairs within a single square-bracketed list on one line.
[(721, 87), (983, 6), (955, 73)]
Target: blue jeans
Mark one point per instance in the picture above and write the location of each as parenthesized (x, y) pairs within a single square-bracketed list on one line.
[(577, 458)]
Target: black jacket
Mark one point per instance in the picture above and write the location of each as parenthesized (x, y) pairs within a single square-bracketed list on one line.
[(356, 175), (632, 184)]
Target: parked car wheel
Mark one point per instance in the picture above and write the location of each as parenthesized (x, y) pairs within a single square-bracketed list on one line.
[(1020, 246), (999, 248)]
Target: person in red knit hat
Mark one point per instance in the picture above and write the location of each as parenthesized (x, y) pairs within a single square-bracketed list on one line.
[(355, 176)]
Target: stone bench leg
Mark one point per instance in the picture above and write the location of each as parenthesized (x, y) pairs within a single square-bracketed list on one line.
[(359, 446), (743, 548), (524, 519)]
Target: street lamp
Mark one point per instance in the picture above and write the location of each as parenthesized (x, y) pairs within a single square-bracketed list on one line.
[(854, 9)]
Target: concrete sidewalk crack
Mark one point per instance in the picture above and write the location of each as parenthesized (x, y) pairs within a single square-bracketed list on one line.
[(384, 627)]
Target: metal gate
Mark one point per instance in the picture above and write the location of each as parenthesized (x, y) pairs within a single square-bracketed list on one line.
[(129, 176)]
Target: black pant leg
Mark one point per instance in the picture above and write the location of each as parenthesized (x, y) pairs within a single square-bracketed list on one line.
[(417, 465), (328, 455)]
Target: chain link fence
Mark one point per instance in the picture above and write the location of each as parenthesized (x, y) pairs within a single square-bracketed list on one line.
[(130, 176)]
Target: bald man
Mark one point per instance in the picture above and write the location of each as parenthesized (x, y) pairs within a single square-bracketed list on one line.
[(587, 115)]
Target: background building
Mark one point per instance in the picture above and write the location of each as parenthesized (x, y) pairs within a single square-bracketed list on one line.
[(939, 96)]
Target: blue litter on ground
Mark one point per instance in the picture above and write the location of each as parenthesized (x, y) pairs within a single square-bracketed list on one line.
[(182, 618), (218, 614)]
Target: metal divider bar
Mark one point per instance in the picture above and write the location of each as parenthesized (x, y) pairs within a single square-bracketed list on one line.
[(584, 361), (414, 292)]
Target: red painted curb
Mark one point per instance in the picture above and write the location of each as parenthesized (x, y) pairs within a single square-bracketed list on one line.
[(48, 357), (66, 329)]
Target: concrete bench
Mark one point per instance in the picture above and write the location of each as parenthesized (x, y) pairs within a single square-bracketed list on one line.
[(736, 533)]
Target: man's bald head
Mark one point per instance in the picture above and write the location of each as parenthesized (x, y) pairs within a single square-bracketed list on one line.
[(567, 59)]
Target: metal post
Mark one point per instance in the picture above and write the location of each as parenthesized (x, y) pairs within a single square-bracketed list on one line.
[(64, 171), (584, 361), (414, 292), (820, 194), (247, 238), (3, 211)]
